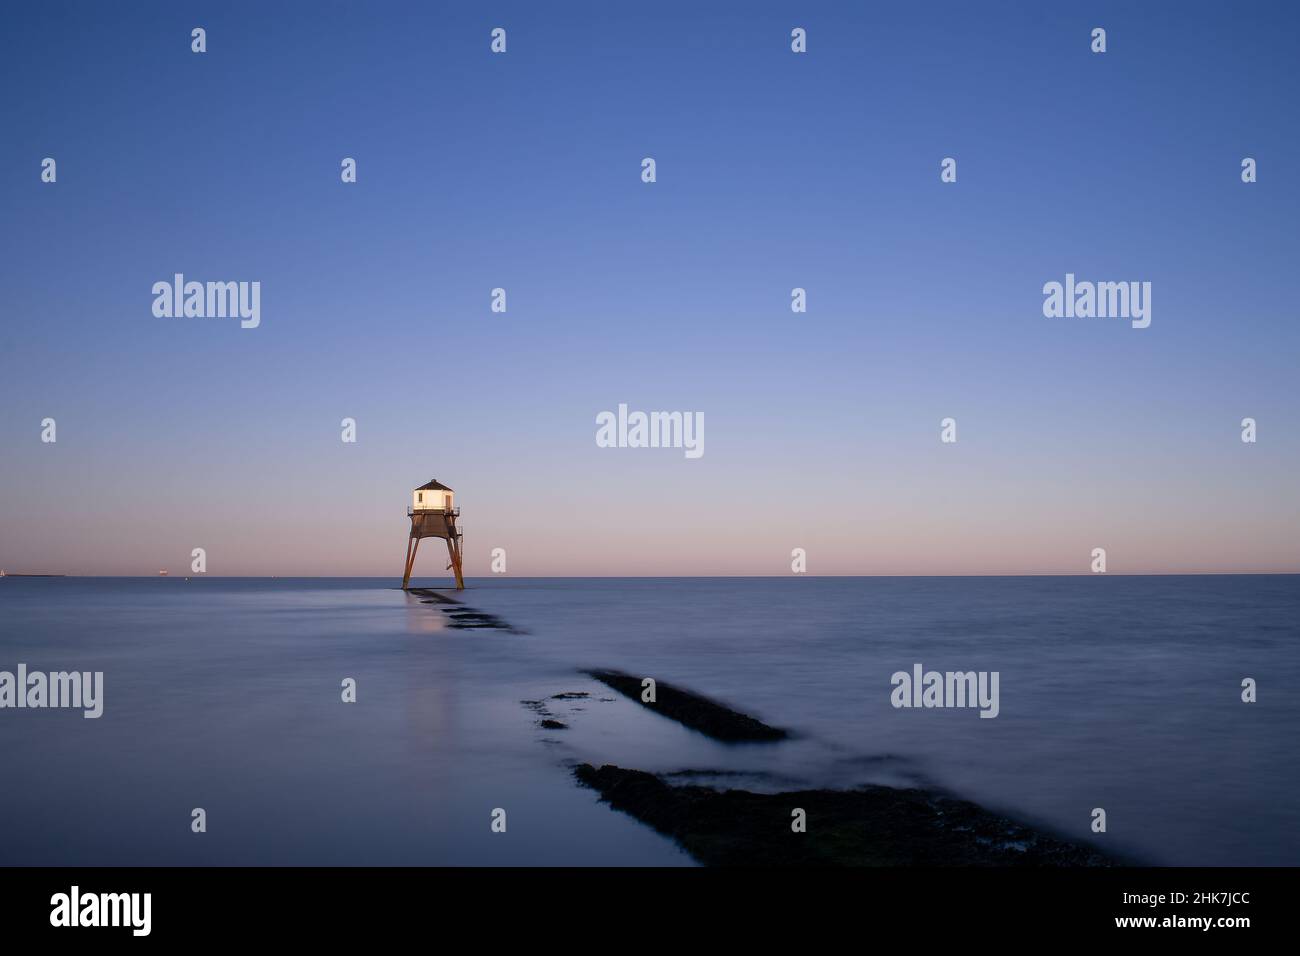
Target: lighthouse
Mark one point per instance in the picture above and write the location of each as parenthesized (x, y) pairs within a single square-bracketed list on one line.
[(433, 514)]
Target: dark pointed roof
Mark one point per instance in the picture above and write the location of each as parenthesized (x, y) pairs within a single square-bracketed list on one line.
[(433, 485)]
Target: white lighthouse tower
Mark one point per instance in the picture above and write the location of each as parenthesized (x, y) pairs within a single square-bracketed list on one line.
[(433, 514)]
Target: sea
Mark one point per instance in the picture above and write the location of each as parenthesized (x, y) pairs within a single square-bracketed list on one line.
[(226, 695)]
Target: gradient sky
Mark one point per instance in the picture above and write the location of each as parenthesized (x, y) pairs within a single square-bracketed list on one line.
[(775, 170)]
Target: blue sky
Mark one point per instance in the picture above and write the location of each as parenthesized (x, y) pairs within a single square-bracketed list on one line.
[(775, 170)]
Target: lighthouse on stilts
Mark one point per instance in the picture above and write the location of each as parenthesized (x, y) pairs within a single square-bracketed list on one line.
[(433, 515)]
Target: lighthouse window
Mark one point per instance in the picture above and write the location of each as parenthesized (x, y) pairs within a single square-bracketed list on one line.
[(420, 497)]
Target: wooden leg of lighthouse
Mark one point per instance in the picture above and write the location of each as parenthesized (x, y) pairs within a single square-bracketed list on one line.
[(414, 552), (453, 549), (406, 572)]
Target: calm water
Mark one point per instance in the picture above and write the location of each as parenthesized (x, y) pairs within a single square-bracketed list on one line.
[(1116, 692)]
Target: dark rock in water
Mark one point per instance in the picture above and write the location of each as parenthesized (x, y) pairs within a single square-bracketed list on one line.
[(571, 695), (552, 724), (698, 713), (471, 619), (870, 826), (461, 617), (434, 595)]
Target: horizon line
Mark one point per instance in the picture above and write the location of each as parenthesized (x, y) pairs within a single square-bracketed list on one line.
[(613, 577)]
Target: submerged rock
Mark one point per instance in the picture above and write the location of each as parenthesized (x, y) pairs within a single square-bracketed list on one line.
[(869, 826), (459, 616), (692, 710)]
